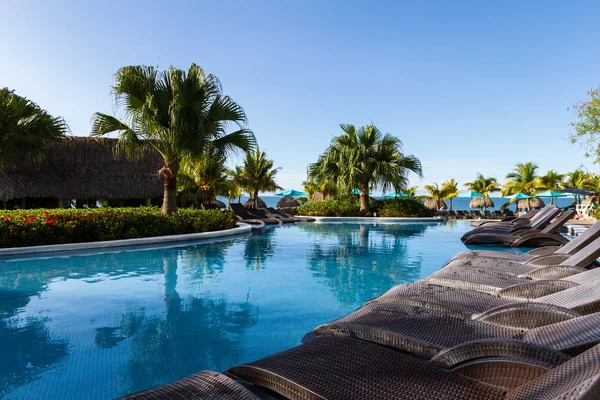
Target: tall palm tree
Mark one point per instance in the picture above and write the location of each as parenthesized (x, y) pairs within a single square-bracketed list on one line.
[(552, 180), (26, 129), (485, 186), (234, 188), (208, 174), (365, 158), (258, 175), (523, 179), (178, 114), (436, 196), (450, 189)]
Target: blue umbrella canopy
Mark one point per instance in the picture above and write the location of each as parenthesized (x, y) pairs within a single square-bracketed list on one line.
[(395, 194), (519, 196), (292, 193), (551, 193), (356, 191), (469, 194)]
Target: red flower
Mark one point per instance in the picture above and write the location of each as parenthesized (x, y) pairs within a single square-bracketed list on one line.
[(50, 222)]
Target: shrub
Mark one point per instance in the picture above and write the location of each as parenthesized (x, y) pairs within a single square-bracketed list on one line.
[(330, 208), (41, 227), (403, 208)]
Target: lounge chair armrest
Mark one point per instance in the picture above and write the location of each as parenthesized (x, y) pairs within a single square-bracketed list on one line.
[(239, 218), (543, 251), (526, 315), (549, 259), (513, 348), (553, 272), (507, 219), (533, 290), (554, 237)]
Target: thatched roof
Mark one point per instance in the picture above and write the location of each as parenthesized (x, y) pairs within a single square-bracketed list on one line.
[(435, 205), (480, 202), (84, 168), (317, 196), (250, 203), (287, 202), (535, 202)]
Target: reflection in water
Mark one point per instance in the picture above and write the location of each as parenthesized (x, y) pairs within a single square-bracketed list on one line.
[(259, 247), (366, 260)]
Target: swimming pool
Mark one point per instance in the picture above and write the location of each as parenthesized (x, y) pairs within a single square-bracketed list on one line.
[(102, 325)]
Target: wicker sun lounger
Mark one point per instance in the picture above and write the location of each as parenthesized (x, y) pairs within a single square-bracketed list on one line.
[(426, 331), (582, 297), (265, 213), (572, 247), (244, 216), (275, 211), (350, 369), (538, 222), (202, 385), (508, 219), (526, 237), (525, 220), (547, 266)]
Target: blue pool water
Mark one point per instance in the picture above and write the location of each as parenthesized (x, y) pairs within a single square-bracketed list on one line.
[(102, 325)]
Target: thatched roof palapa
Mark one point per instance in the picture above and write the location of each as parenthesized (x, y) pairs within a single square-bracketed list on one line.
[(84, 168), (287, 202), (434, 204), (250, 203), (534, 202), (480, 202)]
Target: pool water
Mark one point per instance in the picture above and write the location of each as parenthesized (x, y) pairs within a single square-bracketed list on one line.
[(103, 325)]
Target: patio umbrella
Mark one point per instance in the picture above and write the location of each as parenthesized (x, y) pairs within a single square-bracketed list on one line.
[(356, 191), (521, 196), (292, 193), (478, 200), (395, 194), (552, 194), (469, 194)]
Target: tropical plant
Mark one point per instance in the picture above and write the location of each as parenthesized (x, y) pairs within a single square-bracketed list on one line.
[(323, 185), (484, 186), (435, 197), (411, 192), (552, 180), (523, 179), (365, 158), (576, 180), (26, 129), (207, 173), (177, 113), (587, 127), (234, 190), (450, 189), (258, 175)]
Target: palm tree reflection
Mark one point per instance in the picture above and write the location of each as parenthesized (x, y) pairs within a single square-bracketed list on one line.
[(366, 261), (259, 247)]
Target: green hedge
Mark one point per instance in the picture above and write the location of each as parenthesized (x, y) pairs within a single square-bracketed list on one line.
[(40, 227), (351, 208)]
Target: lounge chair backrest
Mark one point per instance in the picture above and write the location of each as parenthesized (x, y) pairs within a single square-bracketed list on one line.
[(559, 221), (584, 277), (548, 216), (581, 240), (240, 211), (576, 297), (585, 256), (541, 214), (257, 213), (579, 332), (576, 379)]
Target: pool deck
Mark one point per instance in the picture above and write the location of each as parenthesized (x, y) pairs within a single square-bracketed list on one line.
[(34, 251)]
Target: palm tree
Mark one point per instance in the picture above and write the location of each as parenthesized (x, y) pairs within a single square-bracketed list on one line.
[(411, 192), (26, 129), (552, 180), (365, 158), (208, 174), (484, 186), (576, 180), (258, 175), (234, 190), (177, 113), (523, 179), (437, 195), (450, 189)]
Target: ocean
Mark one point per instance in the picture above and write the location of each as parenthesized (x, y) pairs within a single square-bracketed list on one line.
[(457, 204)]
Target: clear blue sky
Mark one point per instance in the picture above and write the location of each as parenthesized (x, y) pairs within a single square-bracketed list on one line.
[(469, 86)]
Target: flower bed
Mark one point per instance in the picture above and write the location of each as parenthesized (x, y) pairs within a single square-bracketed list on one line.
[(42, 227)]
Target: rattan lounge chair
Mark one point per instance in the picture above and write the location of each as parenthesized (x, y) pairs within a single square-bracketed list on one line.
[(244, 216), (577, 253), (202, 385), (572, 247), (539, 221), (350, 369), (510, 220), (426, 331), (525, 237), (275, 211), (265, 213)]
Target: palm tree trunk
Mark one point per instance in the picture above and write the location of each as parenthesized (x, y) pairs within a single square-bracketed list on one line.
[(169, 172), (255, 198), (364, 199), (450, 205)]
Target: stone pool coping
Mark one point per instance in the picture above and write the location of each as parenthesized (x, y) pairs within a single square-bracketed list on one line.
[(240, 229), (377, 220)]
